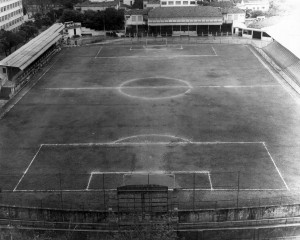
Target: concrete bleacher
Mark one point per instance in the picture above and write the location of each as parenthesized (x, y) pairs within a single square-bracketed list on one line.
[(288, 63), (281, 56)]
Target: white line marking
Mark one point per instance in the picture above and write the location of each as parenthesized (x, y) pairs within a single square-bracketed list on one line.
[(151, 172), (28, 167), (125, 87), (22, 94), (153, 135), (210, 182), (287, 187), (158, 87), (214, 51), (274, 75), (141, 143), (98, 52), (90, 179), (170, 189), (169, 56), (185, 86)]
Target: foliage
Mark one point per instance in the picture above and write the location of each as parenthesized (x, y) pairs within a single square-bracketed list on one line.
[(71, 15), (138, 4), (10, 40), (110, 19), (146, 232), (29, 29), (257, 13)]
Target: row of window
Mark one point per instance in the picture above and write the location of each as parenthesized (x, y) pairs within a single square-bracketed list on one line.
[(2, 1), (11, 23), (11, 6), (8, 16), (235, 16), (178, 3), (256, 8), (136, 18)]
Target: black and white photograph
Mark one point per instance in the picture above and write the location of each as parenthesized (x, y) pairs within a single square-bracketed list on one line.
[(149, 119)]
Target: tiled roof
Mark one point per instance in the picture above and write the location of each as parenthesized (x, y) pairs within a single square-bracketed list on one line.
[(186, 12), (97, 4), (226, 4), (137, 12), (232, 10)]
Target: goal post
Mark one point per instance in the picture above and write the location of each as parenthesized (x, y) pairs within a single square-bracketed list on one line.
[(156, 42)]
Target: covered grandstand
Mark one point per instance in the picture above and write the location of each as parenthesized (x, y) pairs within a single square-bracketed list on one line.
[(285, 50), (18, 67), (188, 20)]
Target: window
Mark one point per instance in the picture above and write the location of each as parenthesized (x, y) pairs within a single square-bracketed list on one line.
[(185, 2), (140, 18), (133, 18), (193, 2), (235, 17), (178, 2), (4, 70), (163, 3), (171, 3)]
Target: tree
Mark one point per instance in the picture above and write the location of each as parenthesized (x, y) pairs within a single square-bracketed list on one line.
[(10, 40), (114, 19), (257, 13), (30, 30), (71, 15)]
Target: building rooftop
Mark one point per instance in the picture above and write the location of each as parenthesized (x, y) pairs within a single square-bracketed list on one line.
[(137, 12), (28, 53), (232, 10), (98, 4), (187, 12)]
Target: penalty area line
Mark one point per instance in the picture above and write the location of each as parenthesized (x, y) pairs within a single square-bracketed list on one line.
[(265, 146), (170, 189), (98, 52), (20, 180), (214, 51), (89, 182)]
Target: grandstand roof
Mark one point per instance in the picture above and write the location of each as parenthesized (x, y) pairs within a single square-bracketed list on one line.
[(186, 12), (286, 33), (28, 53), (137, 12)]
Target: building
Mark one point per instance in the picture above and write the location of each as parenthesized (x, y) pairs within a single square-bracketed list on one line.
[(185, 20), (97, 5), (254, 5), (21, 65), (11, 14), (136, 20), (151, 3), (232, 17)]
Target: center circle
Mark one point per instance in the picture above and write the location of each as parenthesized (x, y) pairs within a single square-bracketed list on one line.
[(155, 88)]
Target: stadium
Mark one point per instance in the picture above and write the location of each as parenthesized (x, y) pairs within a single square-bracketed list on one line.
[(199, 133)]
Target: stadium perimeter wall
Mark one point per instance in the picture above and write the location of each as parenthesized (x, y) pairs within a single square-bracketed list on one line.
[(209, 218)]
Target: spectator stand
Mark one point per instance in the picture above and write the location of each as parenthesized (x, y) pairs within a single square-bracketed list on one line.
[(19, 67)]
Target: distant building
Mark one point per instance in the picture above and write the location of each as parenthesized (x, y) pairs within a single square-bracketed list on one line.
[(151, 3), (233, 14), (254, 5), (178, 3), (136, 20), (185, 20), (97, 5), (11, 14)]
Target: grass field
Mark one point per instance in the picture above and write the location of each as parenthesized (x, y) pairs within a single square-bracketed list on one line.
[(207, 116)]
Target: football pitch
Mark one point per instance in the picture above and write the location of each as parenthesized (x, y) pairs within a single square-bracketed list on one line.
[(207, 117)]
